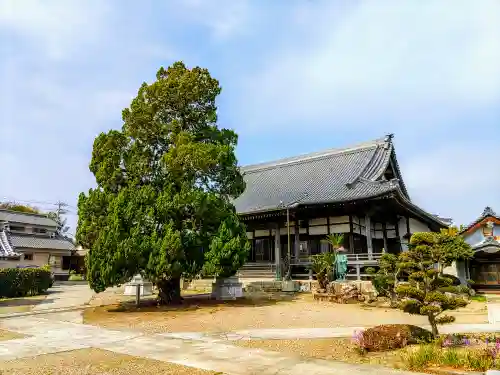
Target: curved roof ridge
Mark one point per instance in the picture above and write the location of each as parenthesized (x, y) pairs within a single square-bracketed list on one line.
[(313, 156), (487, 212)]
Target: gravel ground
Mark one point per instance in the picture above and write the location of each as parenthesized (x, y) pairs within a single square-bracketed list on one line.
[(8, 335), (330, 349), (94, 362), (202, 315)]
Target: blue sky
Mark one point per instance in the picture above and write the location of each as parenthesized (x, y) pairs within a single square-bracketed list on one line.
[(297, 76)]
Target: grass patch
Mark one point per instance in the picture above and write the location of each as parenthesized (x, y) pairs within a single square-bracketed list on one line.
[(8, 335), (22, 304), (431, 356), (478, 298), (94, 362)]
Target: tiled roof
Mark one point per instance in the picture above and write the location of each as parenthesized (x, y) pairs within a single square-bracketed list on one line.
[(39, 242), (488, 245), (335, 175), (487, 212), (26, 218)]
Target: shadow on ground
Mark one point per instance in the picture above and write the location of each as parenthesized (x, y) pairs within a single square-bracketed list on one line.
[(22, 301), (200, 301)]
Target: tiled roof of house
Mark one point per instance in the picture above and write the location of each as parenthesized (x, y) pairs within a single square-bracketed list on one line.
[(26, 218), (487, 212), (335, 175), (39, 242), (488, 245)]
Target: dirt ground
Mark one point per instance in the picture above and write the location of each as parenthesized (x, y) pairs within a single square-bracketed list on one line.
[(329, 349), (93, 362), (203, 315)]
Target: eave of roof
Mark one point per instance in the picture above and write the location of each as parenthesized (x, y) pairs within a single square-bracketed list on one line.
[(419, 212), (489, 245), (40, 242)]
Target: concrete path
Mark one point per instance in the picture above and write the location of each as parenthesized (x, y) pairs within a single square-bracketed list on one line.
[(312, 333), (65, 296), (51, 335)]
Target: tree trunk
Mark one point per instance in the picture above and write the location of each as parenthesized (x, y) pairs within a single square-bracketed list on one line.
[(393, 298), (432, 321), (169, 291)]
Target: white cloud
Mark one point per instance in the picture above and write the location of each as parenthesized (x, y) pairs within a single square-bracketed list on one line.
[(223, 18), (458, 179), (57, 27), (390, 58)]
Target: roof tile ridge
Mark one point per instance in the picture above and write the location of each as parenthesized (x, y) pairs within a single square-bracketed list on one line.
[(25, 213), (378, 164), (319, 155), (378, 161)]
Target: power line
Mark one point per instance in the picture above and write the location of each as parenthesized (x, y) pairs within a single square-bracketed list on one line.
[(10, 199)]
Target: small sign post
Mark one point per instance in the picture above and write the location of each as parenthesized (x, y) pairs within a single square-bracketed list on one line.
[(137, 294)]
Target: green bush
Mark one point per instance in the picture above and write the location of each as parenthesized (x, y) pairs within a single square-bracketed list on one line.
[(75, 277), (21, 282)]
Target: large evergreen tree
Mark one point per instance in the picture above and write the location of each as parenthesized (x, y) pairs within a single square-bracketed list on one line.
[(165, 181)]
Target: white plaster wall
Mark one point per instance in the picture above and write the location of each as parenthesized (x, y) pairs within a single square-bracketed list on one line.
[(418, 226), (451, 270), (317, 230)]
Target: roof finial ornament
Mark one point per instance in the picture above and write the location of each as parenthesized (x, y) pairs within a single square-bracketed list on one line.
[(488, 212), (389, 137)]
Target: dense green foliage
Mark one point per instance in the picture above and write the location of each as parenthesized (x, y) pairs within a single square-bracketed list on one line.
[(21, 282), (386, 278), (165, 181), (13, 206), (323, 265), (428, 291)]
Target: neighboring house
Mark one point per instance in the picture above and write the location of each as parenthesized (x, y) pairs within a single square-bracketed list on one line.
[(357, 191), (483, 234), (28, 239)]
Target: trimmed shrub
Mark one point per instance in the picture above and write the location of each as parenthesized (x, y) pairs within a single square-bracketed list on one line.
[(392, 336), (75, 277), (21, 282)]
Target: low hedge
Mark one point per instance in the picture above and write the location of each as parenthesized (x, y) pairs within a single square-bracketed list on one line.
[(21, 282)]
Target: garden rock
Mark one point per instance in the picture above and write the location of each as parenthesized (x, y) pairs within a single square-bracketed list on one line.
[(392, 336), (349, 293)]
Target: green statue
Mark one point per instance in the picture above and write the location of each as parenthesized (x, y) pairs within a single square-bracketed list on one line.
[(341, 266)]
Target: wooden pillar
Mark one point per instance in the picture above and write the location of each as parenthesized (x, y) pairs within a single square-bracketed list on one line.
[(296, 247), (384, 234), (351, 237), (277, 251), (397, 233), (369, 242), (358, 272)]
